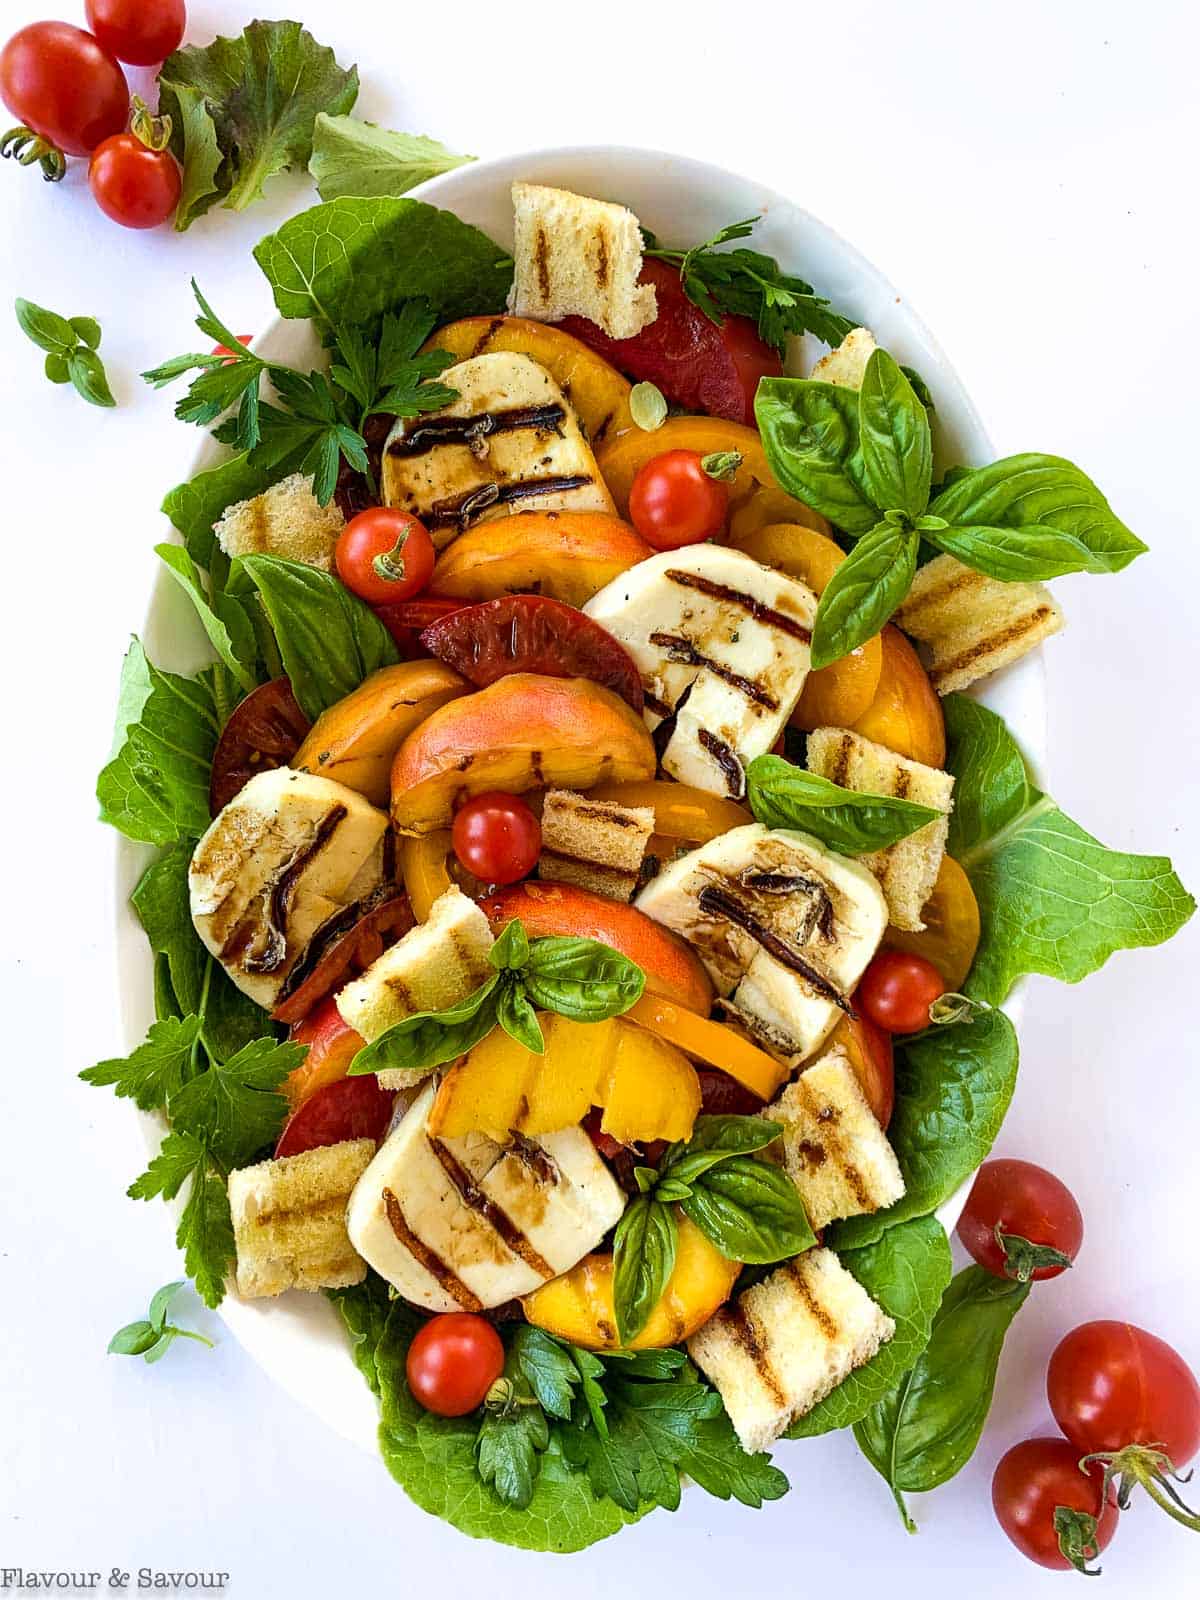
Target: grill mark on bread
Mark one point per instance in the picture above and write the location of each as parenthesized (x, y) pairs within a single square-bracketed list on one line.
[(746, 602), (437, 1269), (473, 1197), (834, 1146), (602, 812), (716, 902), (726, 759), (684, 651), (601, 258), (329, 1208), (841, 762), (744, 1334), (939, 593), (541, 261), (816, 1310), (995, 642)]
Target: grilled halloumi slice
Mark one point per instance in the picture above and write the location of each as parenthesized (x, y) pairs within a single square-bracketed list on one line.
[(784, 927), (289, 1220), (510, 442), (596, 844), (288, 851), (785, 1343), (831, 1147), (722, 645), (846, 365), (907, 870), (464, 1224)]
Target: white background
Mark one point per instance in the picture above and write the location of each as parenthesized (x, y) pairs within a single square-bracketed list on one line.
[(1026, 173)]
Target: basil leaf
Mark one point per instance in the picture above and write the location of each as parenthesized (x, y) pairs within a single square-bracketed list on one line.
[(1052, 899), (329, 640), (1015, 555), (183, 569), (864, 591), (953, 1087), (428, 1038), (785, 796), (897, 446), (1044, 494), (644, 1247), (350, 157), (56, 368), (518, 1018), (88, 330), (750, 1210), (810, 434), (906, 1272), (582, 979), (161, 1303), (134, 1339), (86, 371), (926, 1429), (510, 952), (47, 329), (713, 1140)]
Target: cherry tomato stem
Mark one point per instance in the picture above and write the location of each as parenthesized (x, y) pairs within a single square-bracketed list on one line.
[(384, 555), (1021, 1222)]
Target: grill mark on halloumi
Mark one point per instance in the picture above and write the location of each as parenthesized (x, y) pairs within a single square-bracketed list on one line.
[(532, 1156), (659, 707), (989, 646), (716, 902), (278, 894), (726, 759), (495, 1216), (435, 432), (834, 1146), (429, 1259), (816, 1310), (744, 1333), (745, 602), (683, 650), (459, 513)]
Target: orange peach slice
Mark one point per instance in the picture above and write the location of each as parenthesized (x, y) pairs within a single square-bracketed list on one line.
[(712, 1043), (767, 505), (568, 555), (522, 732), (620, 461), (906, 714), (951, 934)]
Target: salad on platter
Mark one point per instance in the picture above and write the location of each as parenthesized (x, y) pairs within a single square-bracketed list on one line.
[(582, 888)]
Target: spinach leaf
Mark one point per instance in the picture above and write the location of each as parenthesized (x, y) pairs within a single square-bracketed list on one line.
[(329, 640), (926, 1429), (810, 433), (238, 659), (644, 1248), (897, 445), (350, 157), (953, 1087), (750, 1210), (906, 1272), (784, 796), (1043, 495), (581, 978), (364, 1311), (864, 591), (1052, 899)]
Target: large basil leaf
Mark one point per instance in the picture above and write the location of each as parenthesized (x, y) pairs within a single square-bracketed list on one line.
[(1015, 555), (1052, 899), (810, 434), (581, 978), (427, 1039), (864, 591), (329, 640), (238, 656), (351, 157), (906, 1272), (1044, 494), (785, 796), (750, 1210), (897, 445), (953, 1087), (926, 1429), (713, 1140), (644, 1246)]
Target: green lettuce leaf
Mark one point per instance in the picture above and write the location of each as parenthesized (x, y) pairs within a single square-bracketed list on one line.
[(194, 143), (356, 158)]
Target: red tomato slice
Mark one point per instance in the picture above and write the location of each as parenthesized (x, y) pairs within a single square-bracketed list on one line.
[(695, 363), (405, 620), (532, 633), (265, 731), (351, 1108), (342, 947)]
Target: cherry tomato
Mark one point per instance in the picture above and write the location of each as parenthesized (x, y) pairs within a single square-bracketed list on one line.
[(1021, 1222), (142, 32), (674, 501), (696, 364), (452, 1363), (342, 947), (351, 1108), (1053, 1513), (264, 732), (384, 555), (897, 990), (224, 350), (532, 633), (496, 837), (132, 183), (64, 86)]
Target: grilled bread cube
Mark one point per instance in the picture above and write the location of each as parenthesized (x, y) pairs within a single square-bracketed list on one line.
[(434, 965), (907, 870), (285, 520), (973, 624), (289, 1220), (786, 1342), (833, 1149), (578, 257), (846, 365), (464, 1224), (596, 844), (510, 442)]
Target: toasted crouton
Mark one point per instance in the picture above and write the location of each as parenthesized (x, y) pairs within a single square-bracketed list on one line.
[(433, 966), (833, 1149), (285, 520), (786, 1342), (846, 365), (908, 870), (973, 624), (594, 843), (578, 257), (289, 1220)]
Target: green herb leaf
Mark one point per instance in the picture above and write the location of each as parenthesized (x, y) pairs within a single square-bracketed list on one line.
[(195, 145), (785, 796), (510, 952), (644, 1248), (205, 1232), (1052, 899), (897, 446), (582, 979), (750, 1210), (88, 330), (811, 436), (186, 574), (518, 1018), (360, 158), (160, 1304), (1014, 555), (157, 1069), (134, 1339), (713, 1140), (86, 371), (47, 329), (507, 1451), (235, 1107), (429, 1038), (152, 1337), (547, 1368), (864, 591)]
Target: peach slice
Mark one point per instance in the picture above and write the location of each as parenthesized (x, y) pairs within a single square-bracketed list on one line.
[(332, 1046), (951, 934), (681, 813), (355, 741), (620, 461), (522, 732), (596, 390), (578, 1306), (906, 714), (568, 555), (711, 1042), (770, 504)]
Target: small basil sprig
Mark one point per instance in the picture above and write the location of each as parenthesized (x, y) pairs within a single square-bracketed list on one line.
[(153, 1335), (750, 1210), (578, 978), (865, 461), (70, 344), (785, 796)]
